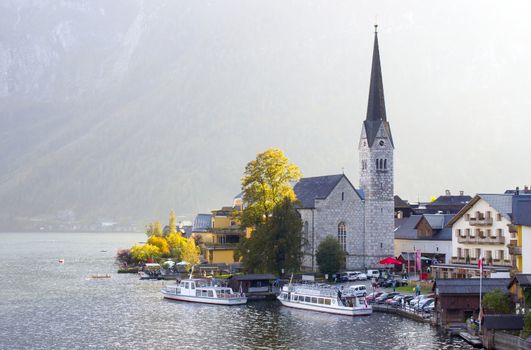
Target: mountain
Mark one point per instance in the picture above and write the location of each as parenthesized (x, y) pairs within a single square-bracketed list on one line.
[(120, 111)]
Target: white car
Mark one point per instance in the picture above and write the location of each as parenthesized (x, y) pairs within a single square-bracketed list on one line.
[(356, 276), (373, 273), (358, 290)]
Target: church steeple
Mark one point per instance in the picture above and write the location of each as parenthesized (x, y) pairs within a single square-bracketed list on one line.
[(376, 107)]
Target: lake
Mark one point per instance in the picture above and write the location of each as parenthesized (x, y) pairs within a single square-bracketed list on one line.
[(47, 305)]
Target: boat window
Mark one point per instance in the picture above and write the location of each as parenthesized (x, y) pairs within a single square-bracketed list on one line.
[(186, 285), (327, 301), (307, 299), (204, 293), (197, 293), (210, 294), (321, 301), (193, 285), (314, 300)]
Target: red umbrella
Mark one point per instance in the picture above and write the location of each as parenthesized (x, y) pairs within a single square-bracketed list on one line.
[(390, 261)]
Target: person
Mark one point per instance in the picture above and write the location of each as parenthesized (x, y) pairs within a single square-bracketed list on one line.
[(417, 290), (394, 285)]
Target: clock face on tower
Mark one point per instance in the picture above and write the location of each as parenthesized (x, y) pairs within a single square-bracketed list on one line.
[(381, 143)]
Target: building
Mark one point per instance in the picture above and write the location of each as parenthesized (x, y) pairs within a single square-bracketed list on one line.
[(361, 219), (219, 237), (402, 208), (480, 229), (427, 233), (447, 204), (520, 227), (519, 286), (458, 299)]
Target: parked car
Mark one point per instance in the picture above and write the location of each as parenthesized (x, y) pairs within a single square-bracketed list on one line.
[(356, 276), (394, 300), (424, 303), (358, 290), (429, 308), (415, 301), (372, 296), (382, 298), (373, 274)]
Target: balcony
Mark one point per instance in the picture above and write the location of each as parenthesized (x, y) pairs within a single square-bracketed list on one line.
[(514, 250), (501, 262), (481, 239), (480, 221), (463, 260)]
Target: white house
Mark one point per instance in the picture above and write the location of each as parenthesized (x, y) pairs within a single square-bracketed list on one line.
[(480, 229)]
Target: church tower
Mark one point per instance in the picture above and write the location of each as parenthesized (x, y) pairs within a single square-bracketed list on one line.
[(376, 163)]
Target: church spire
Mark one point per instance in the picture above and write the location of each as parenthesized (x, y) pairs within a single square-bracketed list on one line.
[(376, 107), (376, 115)]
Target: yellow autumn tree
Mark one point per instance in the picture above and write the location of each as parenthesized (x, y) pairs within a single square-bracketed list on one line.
[(172, 224), (161, 243), (143, 252), (190, 252), (265, 184)]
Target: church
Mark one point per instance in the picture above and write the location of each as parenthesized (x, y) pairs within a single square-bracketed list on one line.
[(362, 219)]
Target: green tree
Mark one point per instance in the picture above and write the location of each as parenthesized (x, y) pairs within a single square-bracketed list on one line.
[(275, 244), (526, 332), (266, 182), (329, 255), (496, 301)]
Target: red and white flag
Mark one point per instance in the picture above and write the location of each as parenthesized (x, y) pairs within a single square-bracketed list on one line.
[(418, 259), (480, 265)]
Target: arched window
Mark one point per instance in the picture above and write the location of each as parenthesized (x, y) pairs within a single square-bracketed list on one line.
[(381, 163), (385, 163), (342, 236), (305, 236)]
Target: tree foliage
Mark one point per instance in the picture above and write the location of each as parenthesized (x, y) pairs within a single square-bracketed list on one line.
[(526, 332), (266, 182), (497, 301), (154, 229), (275, 244), (183, 249), (329, 255), (161, 243), (144, 252), (172, 224), (124, 257)]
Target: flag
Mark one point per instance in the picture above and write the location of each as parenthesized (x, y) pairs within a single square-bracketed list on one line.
[(418, 260), (480, 265)]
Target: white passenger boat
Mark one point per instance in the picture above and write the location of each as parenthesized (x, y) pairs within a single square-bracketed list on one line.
[(324, 299), (202, 291)]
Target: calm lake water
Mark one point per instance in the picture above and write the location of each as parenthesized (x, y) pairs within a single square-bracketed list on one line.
[(46, 305)]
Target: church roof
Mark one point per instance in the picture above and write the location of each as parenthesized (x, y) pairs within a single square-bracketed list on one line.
[(376, 115), (308, 189)]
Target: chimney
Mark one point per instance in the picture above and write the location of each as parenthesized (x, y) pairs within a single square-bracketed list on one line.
[(461, 193), (447, 192), (526, 189), (517, 192)]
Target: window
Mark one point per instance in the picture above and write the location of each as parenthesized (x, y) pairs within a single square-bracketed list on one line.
[(385, 163), (210, 294), (342, 196), (489, 233), (498, 217), (320, 301), (459, 253), (467, 252), (499, 232), (306, 230), (307, 299), (458, 232), (478, 253), (501, 254), (381, 164), (467, 231), (314, 300), (467, 217), (327, 301), (472, 234), (489, 215), (342, 236)]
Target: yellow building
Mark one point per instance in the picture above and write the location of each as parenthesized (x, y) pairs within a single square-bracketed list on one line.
[(520, 229), (220, 238)]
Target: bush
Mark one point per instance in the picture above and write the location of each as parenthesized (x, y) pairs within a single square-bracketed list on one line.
[(329, 256), (497, 302), (526, 332)]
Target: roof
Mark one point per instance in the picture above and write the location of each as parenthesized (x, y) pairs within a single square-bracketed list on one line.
[(450, 201), (308, 189), (507, 322), (254, 277), (202, 222), (469, 286), (524, 280), (376, 115), (521, 210), (406, 228), (502, 203), (400, 203)]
